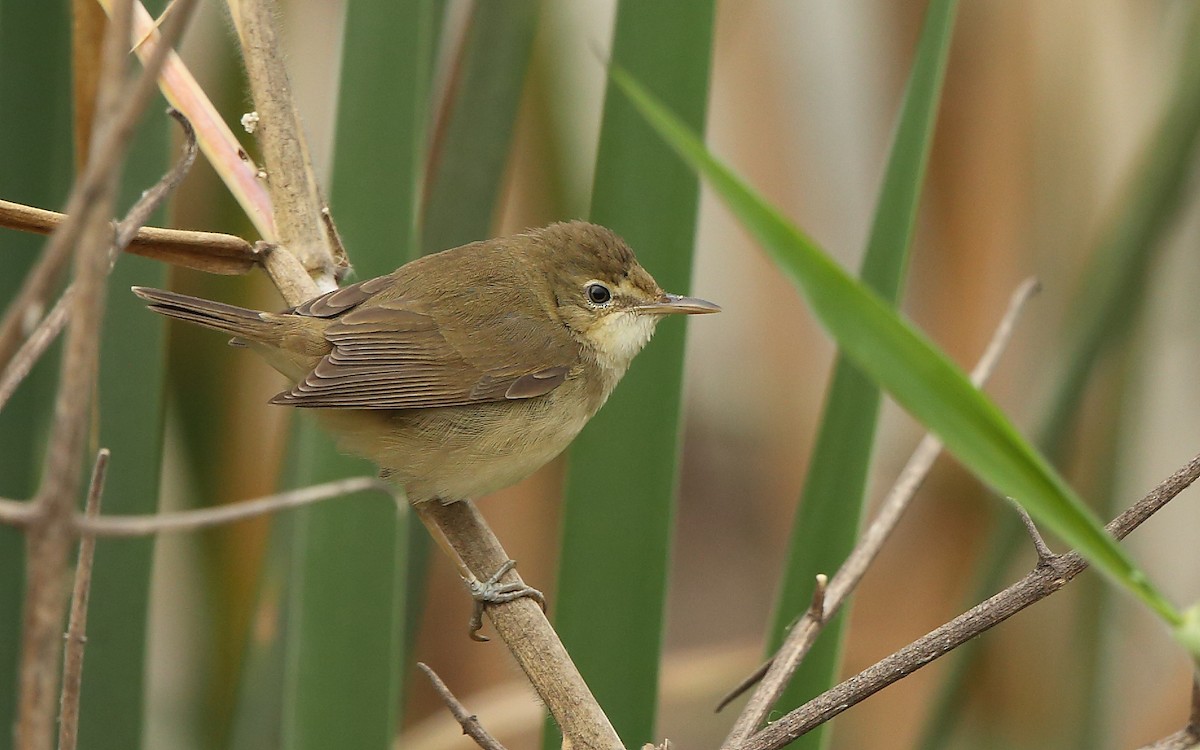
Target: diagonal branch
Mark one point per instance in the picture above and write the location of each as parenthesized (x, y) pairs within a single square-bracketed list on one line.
[(295, 196), (1047, 578), (44, 333), (523, 627), (467, 720), (778, 672), (109, 142)]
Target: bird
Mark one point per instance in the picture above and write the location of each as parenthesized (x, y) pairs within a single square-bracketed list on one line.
[(464, 371)]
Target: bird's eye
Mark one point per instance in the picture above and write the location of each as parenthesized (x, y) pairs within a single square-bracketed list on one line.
[(598, 294)]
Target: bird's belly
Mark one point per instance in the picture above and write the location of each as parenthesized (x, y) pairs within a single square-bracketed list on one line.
[(459, 452)]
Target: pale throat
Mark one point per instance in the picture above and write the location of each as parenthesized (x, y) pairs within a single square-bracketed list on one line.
[(619, 336)]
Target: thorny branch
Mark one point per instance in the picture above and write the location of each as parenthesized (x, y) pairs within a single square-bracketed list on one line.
[(1048, 577), (776, 673), (467, 720)]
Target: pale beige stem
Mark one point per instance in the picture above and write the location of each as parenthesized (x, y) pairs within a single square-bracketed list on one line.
[(524, 629)]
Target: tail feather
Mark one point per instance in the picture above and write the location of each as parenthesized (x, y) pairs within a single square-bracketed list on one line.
[(238, 321)]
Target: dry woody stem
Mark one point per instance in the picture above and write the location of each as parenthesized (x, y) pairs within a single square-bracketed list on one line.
[(49, 536), (293, 187), (1048, 577), (467, 720), (86, 236), (523, 627), (305, 266), (779, 671), (47, 330), (68, 712)]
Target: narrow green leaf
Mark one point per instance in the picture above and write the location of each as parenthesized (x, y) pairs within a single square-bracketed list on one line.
[(471, 151), (621, 484), (345, 637), (922, 379), (833, 499), (1107, 304), (467, 164)]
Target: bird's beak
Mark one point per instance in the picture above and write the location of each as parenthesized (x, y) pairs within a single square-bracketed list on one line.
[(669, 304)]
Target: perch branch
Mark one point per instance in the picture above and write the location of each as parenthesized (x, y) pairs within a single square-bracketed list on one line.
[(298, 210), (779, 671), (523, 627), (1044, 580), (72, 679), (467, 720)]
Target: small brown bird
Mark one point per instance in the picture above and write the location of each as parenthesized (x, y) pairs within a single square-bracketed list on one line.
[(461, 372)]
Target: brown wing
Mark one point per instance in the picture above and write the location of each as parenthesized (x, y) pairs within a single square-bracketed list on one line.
[(395, 353)]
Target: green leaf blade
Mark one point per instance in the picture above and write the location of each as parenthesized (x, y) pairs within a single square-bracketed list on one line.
[(343, 659), (619, 507), (827, 521), (910, 368)]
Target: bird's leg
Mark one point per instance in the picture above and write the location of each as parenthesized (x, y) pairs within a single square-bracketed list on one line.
[(491, 591)]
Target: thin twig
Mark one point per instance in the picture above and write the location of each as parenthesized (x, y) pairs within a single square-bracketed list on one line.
[(72, 679), (49, 534), (297, 205), (1042, 581), (151, 199), (39, 340), (16, 512), (467, 720), (111, 139), (203, 518), (1039, 544), (804, 633), (49, 327), (210, 252)]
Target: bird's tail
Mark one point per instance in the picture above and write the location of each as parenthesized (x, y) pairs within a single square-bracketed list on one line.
[(245, 325)]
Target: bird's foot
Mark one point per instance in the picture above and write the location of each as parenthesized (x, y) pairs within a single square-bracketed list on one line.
[(492, 591)]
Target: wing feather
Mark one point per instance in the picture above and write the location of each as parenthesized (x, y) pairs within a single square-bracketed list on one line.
[(393, 352)]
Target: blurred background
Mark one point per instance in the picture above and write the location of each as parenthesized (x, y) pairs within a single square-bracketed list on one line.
[(1048, 110)]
